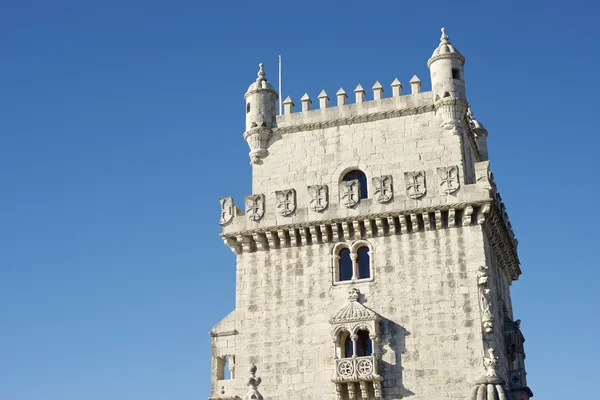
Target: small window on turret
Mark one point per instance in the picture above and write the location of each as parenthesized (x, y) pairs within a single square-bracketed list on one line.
[(247, 108), (455, 73)]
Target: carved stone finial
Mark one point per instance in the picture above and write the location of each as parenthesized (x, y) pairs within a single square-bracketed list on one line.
[(444, 37), (261, 73), (252, 382), (491, 364), (353, 294)]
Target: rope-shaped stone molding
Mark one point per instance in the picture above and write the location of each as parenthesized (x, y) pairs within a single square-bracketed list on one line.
[(354, 120)]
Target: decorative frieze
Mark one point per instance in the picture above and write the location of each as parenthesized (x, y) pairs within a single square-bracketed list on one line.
[(227, 210), (255, 206), (286, 202), (415, 184), (383, 190), (448, 178), (319, 197)]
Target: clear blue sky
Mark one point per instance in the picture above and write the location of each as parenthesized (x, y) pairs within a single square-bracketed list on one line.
[(121, 125)]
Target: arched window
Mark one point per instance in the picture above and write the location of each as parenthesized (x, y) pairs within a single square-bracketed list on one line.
[(348, 347), (364, 346), (345, 264), (247, 108), (363, 261), (362, 181)]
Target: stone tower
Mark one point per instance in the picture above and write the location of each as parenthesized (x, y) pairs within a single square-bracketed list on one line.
[(375, 257)]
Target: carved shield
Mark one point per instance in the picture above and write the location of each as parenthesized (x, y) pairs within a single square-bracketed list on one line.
[(415, 184), (319, 197), (449, 182), (286, 201), (255, 206), (383, 188), (227, 208), (350, 192)]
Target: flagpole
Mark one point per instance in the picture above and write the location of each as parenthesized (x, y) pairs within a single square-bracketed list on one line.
[(280, 98)]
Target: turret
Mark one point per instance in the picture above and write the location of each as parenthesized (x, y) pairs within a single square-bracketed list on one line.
[(448, 85), (261, 100)]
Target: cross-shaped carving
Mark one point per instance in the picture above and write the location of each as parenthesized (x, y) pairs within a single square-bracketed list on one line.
[(350, 192)]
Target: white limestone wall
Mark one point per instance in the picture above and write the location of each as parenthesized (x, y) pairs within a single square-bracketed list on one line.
[(424, 287), (382, 147)]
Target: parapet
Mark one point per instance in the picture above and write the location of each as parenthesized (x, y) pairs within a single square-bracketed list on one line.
[(361, 110)]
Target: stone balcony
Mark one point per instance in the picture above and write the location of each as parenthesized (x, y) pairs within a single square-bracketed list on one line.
[(356, 369)]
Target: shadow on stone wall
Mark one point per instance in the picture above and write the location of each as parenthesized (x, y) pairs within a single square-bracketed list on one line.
[(393, 345)]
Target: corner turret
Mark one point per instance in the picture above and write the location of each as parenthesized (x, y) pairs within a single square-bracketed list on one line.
[(261, 100), (448, 84)]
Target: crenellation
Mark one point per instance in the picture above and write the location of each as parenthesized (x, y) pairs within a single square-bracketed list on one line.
[(323, 99), (306, 102), (415, 85), (359, 92), (396, 88)]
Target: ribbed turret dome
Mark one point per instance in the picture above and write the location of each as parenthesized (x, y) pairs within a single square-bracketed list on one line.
[(489, 388), (445, 50), (261, 82)]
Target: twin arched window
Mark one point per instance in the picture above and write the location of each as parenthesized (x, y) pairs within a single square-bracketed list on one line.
[(353, 265), (362, 181), (364, 345)]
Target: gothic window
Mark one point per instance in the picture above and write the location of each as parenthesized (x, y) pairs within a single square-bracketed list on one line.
[(353, 262), (364, 262), (345, 265), (362, 181), (364, 346)]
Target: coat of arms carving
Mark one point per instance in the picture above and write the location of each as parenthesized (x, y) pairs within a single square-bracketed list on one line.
[(227, 210), (449, 182), (350, 192), (286, 201), (383, 188), (415, 184), (319, 197), (255, 206)]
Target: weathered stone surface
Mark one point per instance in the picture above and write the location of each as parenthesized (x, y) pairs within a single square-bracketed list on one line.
[(442, 254)]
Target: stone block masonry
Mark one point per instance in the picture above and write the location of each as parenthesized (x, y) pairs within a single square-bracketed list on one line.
[(375, 256)]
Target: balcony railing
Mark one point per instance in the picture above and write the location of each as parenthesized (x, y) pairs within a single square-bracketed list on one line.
[(355, 369)]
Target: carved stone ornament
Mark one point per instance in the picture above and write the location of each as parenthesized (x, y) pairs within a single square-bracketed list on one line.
[(252, 382), (485, 300), (350, 192), (255, 206), (383, 188), (491, 364), (257, 141), (415, 184), (319, 197), (286, 201), (227, 210), (449, 182)]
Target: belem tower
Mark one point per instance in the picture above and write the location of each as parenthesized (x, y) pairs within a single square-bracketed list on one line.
[(375, 256)]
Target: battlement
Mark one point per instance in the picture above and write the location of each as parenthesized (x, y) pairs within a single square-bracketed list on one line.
[(361, 111)]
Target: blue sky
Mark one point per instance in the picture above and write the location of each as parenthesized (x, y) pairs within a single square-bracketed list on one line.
[(121, 126)]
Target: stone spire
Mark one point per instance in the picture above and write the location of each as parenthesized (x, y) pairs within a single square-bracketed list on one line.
[(252, 382)]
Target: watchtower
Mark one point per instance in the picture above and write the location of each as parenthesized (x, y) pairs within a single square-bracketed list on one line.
[(375, 257)]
